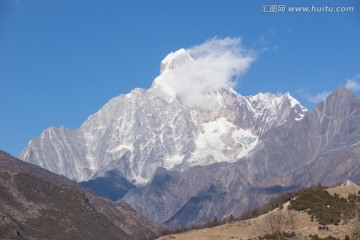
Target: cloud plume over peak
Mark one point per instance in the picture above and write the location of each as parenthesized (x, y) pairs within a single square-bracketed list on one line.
[(194, 75), (353, 84)]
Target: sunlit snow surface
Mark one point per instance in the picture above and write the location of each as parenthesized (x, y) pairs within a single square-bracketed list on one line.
[(138, 132), (221, 141)]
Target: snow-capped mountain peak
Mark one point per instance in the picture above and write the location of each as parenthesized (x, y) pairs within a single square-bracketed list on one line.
[(294, 103), (167, 83), (175, 60), (176, 124)]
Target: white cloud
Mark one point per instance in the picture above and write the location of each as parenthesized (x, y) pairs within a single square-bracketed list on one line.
[(353, 84), (316, 98), (213, 65)]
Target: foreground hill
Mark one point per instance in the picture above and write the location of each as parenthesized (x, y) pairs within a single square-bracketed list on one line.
[(37, 204), (299, 223)]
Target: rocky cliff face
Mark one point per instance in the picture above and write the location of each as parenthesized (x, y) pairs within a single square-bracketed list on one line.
[(328, 133), (193, 161), (193, 196), (136, 133), (323, 147)]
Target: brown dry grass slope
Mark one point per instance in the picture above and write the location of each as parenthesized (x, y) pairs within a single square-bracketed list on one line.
[(277, 220)]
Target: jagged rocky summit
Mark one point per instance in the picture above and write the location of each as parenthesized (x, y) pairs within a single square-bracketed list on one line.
[(181, 160), (137, 133), (323, 147)]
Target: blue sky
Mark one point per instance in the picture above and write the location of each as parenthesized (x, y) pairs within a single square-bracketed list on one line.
[(62, 60)]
